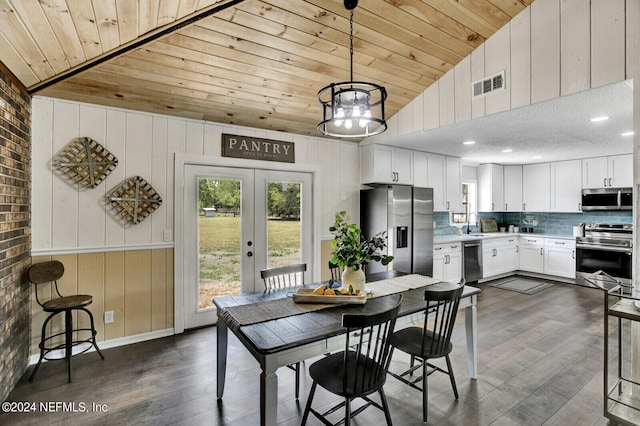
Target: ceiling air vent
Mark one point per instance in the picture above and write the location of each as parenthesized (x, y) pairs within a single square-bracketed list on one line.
[(488, 85)]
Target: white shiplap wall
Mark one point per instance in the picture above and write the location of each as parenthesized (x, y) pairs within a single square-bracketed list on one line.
[(67, 218)]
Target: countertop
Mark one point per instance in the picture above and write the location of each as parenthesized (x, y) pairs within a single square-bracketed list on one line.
[(454, 238)]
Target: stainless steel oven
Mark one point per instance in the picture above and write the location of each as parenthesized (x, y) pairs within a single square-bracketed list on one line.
[(607, 248)]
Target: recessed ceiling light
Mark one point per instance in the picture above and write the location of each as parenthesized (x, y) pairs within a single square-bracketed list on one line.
[(603, 118), (627, 133), (507, 150), (468, 142), (537, 157)]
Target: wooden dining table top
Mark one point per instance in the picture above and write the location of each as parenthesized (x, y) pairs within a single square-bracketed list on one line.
[(288, 332)]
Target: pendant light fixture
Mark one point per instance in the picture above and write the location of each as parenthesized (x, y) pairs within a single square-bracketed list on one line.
[(352, 109)]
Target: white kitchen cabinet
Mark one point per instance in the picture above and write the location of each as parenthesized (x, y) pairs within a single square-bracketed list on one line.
[(615, 171), (447, 262), (386, 164), (499, 256), (420, 169), (453, 184), (436, 178), (512, 188), (566, 186), (560, 257), (620, 169), (512, 254), (444, 176), (531, 254), (536, 187), (493, 257), (490, 188)]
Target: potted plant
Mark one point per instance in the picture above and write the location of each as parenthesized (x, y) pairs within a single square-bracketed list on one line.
[(352, 251)]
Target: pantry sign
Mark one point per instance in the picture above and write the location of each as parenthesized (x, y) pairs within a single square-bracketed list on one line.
[(257, 149)]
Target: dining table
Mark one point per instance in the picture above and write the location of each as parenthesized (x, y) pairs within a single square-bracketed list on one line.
[(278, 332)]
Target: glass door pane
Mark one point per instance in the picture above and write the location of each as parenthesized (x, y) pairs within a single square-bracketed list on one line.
[(284, 244), (219, 239)]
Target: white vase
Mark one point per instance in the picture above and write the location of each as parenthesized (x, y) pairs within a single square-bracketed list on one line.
[(356, 279)]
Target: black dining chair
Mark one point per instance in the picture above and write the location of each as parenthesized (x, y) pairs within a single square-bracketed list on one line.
[(336, 273), (431, 341), (285, 277), (360, 369), (47, 273)]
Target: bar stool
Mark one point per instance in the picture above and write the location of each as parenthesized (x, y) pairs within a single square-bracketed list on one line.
[(47, 272)]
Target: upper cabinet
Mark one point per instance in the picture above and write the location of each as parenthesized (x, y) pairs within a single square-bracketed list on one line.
[(443, 174), (453, 185), (513, 188), (566, 186), (536, 187), (608, 172), (491, 188), (386, 164)]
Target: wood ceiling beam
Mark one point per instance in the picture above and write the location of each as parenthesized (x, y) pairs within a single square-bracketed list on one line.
[(135, 44)]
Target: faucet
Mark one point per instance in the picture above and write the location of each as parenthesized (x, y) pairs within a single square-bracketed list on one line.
[(469, 223)]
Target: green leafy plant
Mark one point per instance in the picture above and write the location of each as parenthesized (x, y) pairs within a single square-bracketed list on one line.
[(351, 249)]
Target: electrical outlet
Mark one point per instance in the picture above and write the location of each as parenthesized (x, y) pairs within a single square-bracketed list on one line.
[(109, 317), (167, 236)]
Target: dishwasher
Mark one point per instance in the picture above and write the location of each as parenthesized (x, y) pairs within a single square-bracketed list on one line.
[(472, 261)]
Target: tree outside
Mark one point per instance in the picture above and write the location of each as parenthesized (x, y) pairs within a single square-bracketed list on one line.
[(219, 236)]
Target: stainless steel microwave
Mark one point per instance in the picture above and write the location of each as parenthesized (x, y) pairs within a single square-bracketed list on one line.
[(607, 199)]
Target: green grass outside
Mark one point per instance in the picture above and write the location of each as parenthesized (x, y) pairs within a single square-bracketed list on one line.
[(220, 252)]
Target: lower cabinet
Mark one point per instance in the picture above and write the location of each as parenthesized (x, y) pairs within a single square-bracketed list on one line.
[(560, 257), (499, 256), (504, 255), (447, 262), (532, 254)]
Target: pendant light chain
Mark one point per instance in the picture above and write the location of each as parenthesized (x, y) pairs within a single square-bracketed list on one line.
[(351, 43)]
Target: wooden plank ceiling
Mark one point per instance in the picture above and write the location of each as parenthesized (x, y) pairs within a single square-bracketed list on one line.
[(256, 63)]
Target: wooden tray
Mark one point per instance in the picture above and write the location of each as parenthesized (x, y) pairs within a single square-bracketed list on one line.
[(305, 295)]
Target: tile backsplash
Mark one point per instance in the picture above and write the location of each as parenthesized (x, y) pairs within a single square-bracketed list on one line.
[(547, 223)]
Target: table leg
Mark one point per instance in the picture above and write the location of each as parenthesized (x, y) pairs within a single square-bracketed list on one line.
[(268, 395), (471, 330), (221, 343)]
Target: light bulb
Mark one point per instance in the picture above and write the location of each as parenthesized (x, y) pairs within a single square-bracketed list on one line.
[(356, 111), (365, 120), (338, 123), (348, 124), (340, 112)]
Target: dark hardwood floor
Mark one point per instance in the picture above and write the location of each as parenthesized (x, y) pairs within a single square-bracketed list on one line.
[(540, 363)]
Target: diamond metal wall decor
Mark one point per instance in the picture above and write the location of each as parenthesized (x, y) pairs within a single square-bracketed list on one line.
[(134, 199), (86, 162)]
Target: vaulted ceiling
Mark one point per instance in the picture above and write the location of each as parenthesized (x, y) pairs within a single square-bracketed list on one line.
[(256, 63)]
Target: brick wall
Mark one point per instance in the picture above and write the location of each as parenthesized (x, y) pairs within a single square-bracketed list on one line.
[(15, 229)]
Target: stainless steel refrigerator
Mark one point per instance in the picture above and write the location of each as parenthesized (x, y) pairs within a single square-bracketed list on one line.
[(406, 213)]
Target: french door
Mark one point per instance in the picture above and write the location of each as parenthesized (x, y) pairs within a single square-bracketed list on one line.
[(237, 221)]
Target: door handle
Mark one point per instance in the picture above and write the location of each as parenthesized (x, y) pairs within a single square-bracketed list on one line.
[(573, 254), (447, 205), (605, 181), (506, 206), (609, 181), (524, 206), (541, 251), (517, 249), (493, 207)]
